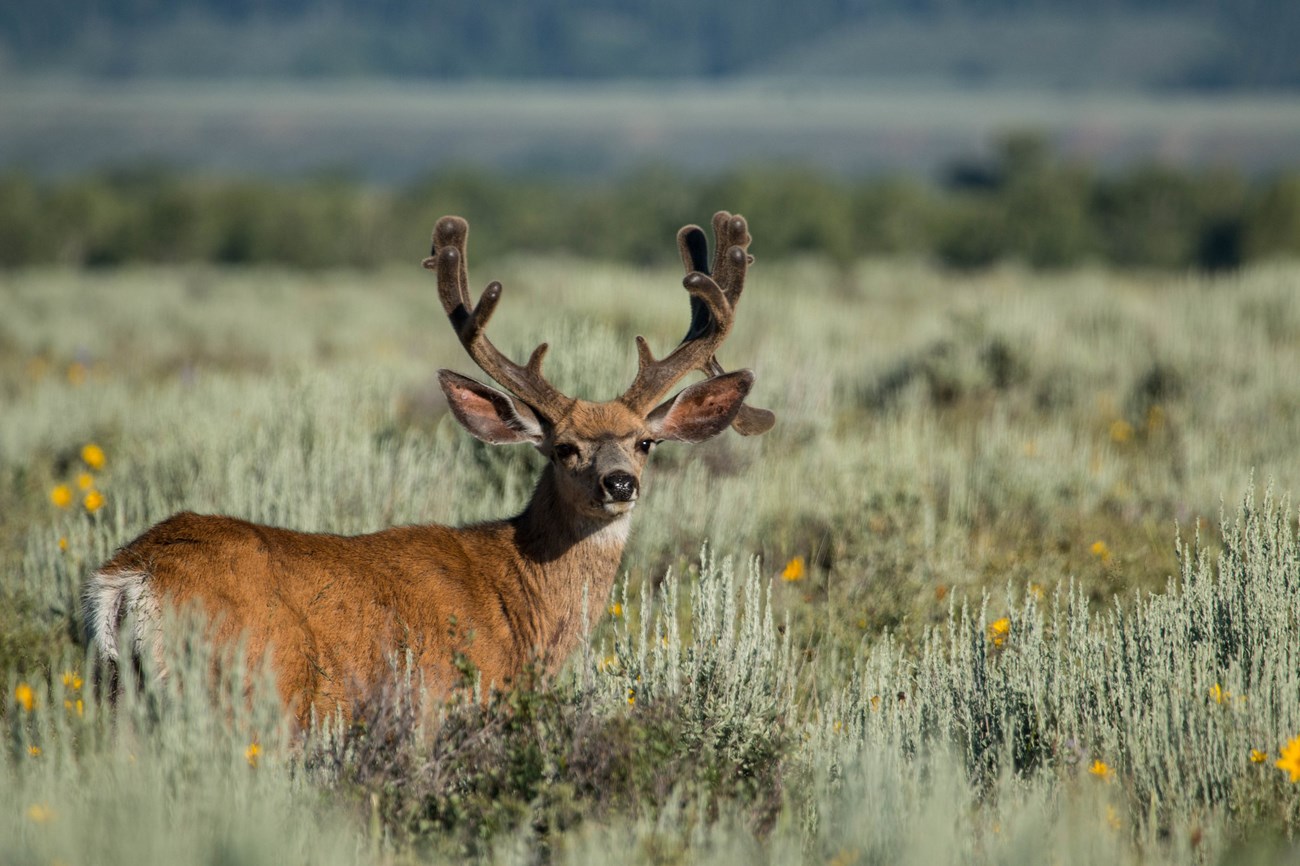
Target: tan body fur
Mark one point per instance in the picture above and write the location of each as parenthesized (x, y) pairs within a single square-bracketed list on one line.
[(333, 610)]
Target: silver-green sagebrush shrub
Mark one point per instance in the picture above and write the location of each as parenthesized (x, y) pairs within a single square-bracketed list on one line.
[(1178, 702), (197, 769), (1049, 723), (653, 719)]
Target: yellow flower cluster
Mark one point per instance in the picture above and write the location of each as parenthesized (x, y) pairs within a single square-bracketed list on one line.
[(92, 500), (1113, 820), (252, 753), (39, 813), (72, 682), (1101, 770), (1290, 760), (998, 631), (25, 696), (794, 570), (1100, 550), (93, 456)]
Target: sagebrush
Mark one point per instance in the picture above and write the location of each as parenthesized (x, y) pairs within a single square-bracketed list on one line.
[(977, 599)]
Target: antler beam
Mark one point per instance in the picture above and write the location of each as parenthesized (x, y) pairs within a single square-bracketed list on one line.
[(526, 382), (715, 292)]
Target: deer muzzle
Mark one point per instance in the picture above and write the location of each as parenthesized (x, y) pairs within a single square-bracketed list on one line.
[(620, 486)]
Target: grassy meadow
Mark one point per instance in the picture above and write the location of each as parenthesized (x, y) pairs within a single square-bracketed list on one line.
[(1013, 579)]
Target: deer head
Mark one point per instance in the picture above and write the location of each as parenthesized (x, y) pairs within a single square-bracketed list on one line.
[(597, 451)]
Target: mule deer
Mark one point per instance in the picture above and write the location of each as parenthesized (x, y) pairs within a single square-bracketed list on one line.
[(328, 610)]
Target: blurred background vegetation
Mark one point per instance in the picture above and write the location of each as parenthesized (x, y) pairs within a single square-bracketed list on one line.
[(1139, 134), (1022, 204), (1204, 44)]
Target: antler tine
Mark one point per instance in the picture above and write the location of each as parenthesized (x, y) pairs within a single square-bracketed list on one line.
[(654, 378), (470, 322), (730, 263), (730, 232)]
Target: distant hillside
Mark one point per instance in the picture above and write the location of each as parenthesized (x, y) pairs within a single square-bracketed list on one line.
[(1193, 44)]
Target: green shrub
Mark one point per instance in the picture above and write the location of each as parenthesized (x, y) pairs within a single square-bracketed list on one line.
[(1022, 205)]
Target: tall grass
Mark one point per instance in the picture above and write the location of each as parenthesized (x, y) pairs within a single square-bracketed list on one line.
[(996, 646)]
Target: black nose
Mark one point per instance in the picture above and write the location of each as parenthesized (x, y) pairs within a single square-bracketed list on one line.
[(620, 486)]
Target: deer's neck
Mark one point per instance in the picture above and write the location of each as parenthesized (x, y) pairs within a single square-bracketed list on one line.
[(562, 555)]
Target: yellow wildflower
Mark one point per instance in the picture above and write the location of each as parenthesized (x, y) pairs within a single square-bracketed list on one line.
[(25, 696), (71, 680), (39, 813), (794, 570), (845, 857), (1036, 590), (1112, 817), (63, 543), (94, 501), (998, 631), (1100, 550), (631, 696), (252, 753), (1218, 695), (1290, 762), (85, 481), (93, 456), (616, 610), (875, 702), (1101, 770), (1120, 431), (37, 368), (34, 751), (1258, 757), (77, 705), (61, 496)]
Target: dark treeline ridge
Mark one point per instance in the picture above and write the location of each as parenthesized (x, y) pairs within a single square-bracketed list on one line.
[(1021, 205), (1253, 40)]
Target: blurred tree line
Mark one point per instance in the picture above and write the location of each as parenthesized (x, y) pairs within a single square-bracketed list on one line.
[(560, 39), (1022, 204)]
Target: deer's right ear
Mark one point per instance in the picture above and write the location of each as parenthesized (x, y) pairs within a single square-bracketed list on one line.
[(489, 414), (703, 410)]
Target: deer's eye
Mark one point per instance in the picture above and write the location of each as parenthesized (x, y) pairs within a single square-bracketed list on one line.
[(645, 445), (565, 451)]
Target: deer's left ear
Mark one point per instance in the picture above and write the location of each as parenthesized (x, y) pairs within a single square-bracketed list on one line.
[(703, 410), (487, 413)]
